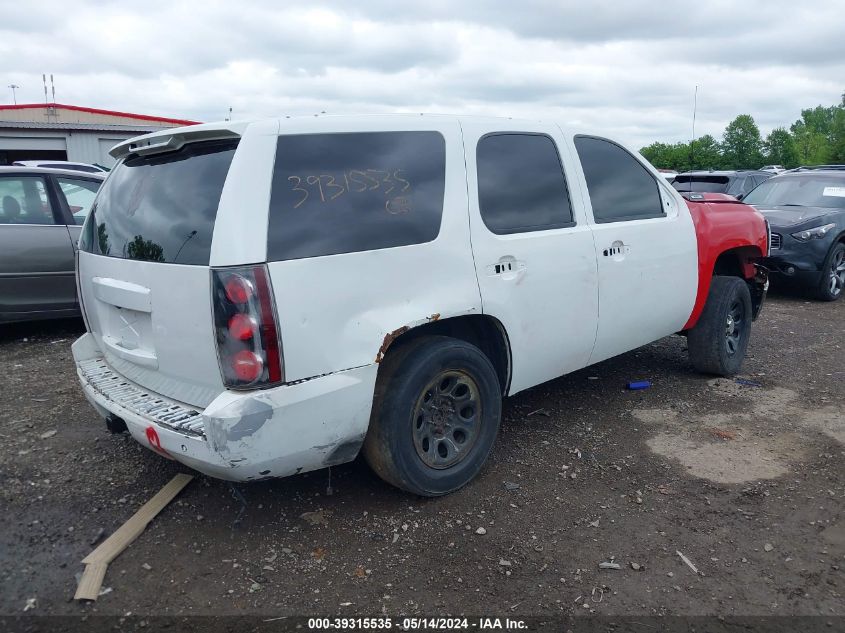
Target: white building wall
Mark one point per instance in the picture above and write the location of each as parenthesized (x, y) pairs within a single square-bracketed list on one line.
[(92, 147), (81, 146)]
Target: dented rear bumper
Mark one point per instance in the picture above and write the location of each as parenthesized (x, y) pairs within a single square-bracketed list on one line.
[(240, 436)]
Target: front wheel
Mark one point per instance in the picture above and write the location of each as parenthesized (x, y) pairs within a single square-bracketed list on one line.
[(718, 342), (435, 416), (832, 282)]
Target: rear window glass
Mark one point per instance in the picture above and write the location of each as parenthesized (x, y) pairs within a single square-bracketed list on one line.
[(348, 192), (161, 208), (520, 184), (708, 184)]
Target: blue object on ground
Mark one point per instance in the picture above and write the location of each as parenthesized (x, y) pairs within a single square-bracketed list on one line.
[(747, 383), (639, 384)]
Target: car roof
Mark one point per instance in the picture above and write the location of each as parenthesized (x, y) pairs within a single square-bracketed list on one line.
[(814, 169), (723, 172), (827, 170), (291, 124), (34, 171)]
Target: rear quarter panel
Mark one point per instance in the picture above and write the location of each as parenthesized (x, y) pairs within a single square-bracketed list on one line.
[(336, 312)]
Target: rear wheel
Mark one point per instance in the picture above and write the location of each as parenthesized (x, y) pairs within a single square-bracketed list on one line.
[(832, 284), (718, 342), (435, 416)]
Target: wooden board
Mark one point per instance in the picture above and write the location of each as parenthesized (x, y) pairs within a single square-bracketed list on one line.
[(129, 531), (98, 561), (92, 580)]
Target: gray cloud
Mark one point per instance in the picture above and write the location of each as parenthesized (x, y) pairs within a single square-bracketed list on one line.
[(627, 69)]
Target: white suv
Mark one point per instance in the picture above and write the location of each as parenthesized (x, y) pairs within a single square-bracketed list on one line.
[(268, 298)]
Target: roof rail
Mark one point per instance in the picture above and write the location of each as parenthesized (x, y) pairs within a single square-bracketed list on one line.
[(817, 167)]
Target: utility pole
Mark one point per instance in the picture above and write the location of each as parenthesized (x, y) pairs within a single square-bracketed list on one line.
[(14, 95)]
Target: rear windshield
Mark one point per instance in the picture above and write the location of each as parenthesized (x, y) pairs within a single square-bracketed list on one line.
[(348, 192), (709, 184), (161, 208)]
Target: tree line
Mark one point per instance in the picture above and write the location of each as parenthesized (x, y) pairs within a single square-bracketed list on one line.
[(817, 138)]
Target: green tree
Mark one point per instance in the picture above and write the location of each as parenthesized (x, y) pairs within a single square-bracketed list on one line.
[(837, 149), (705, 153), (145, 250), (780, 148), (659, 155), (741, 144)]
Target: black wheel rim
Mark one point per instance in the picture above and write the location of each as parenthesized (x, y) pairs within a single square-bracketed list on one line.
[(734, 325), (447, 419), (837, 273)]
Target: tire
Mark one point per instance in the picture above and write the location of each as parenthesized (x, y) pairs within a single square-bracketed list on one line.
[(832, 284), (718, 342), (436, 413)]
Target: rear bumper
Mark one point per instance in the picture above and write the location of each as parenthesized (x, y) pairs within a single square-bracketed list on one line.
[(244, 436)]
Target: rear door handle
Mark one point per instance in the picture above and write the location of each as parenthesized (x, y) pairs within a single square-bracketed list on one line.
[(617, 250)]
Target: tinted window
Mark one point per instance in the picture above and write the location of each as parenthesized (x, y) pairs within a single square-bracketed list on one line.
[(162, 207), (341, 193), (520, 184), (620, 187), (24, 200), (79, 194)]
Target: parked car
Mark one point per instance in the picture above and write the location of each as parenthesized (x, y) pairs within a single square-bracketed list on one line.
[(775, 169), (734, 183), (806, 210), (62, 164), (668, 174), (271, 298), (41, 211)]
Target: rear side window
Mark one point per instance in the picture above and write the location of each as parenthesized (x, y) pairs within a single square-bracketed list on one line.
[(161, 208), (348, 192), (520, 184), (620, 187)]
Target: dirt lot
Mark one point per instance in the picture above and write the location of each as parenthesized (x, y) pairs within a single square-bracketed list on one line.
[(748, 482)]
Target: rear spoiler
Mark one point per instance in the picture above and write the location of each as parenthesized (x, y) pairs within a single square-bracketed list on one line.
[(172, 139)]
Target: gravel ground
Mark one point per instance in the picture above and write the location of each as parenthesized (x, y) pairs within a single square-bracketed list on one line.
[(747, 481)]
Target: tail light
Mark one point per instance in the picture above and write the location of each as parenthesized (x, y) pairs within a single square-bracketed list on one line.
[(248, 343)]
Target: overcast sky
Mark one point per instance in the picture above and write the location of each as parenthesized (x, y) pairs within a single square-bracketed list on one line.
[(625, 68)]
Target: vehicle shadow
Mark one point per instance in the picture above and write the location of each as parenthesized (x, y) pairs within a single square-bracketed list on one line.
[(32, 330)]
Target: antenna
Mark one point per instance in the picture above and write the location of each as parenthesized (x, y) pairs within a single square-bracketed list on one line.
[(692, 139), (14, 95), (53, 86), (230, 114), (44, 80)]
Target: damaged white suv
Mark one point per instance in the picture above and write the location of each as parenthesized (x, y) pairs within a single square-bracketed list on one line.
[(268, 298)]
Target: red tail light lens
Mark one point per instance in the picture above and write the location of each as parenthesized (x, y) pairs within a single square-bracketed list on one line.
[(242, 327), (238, 289), (247, 365), (248, 344)]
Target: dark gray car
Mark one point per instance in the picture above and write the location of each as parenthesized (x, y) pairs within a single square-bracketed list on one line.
[(41, 214), (736, 183), (805, 208)]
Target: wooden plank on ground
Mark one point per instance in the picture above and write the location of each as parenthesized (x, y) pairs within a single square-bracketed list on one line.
[(91, 581), (108, 550), (98, 561)]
